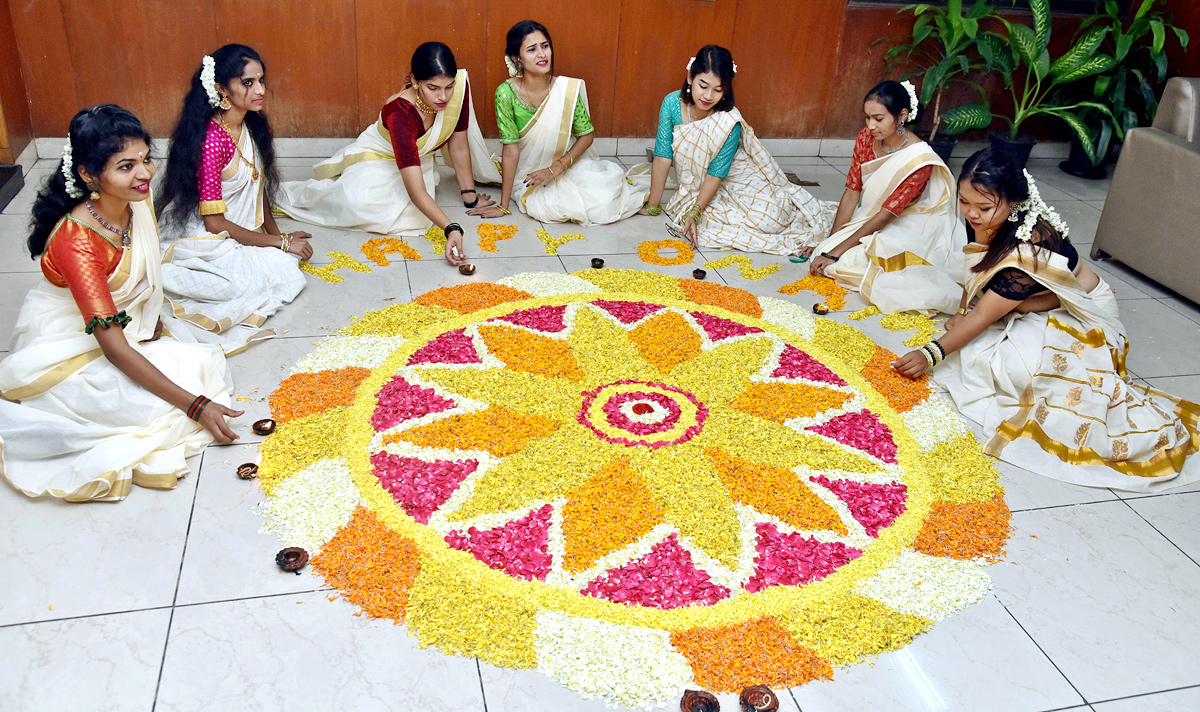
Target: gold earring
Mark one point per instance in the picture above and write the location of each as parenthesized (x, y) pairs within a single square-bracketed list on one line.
[(225, 105), (93, 186)]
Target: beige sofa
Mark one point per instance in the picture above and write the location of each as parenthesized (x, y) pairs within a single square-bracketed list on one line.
[(1151, 219)]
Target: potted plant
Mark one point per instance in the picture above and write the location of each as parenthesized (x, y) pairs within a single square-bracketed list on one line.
[(1138, 46), (943, 41), (1023, 60)]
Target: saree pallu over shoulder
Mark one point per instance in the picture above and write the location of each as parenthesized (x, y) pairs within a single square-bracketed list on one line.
[(1053, 389), (592, 191), (361, 188), (756, 209), (225, 288), (913, 263), (82, 430)]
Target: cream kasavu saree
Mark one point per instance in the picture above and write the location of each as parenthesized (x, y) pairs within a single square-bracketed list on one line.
[(914, 262), (756, 209), (1052, 390), (360, 187), (592, 191), (82, 430)]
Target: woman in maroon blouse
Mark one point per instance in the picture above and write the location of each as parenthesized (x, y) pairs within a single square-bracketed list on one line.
[(384, 182)]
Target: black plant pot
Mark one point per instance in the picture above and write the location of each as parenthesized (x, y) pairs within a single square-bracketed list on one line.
[(943, 145), (1017, 149), (1079, 165), (11, 181)]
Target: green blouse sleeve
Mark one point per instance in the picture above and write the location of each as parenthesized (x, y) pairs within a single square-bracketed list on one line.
[(581, 123), (506, 114), (719, 168), (668, 117)]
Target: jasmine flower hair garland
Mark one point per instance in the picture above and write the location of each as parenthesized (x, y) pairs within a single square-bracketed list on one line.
[(68, 171), (913, 104), (1035, 207), (208, 80)]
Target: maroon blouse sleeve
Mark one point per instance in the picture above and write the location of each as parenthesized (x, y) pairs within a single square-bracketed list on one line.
[(864, 151), (464, 114), (404, 127), (908, 191)]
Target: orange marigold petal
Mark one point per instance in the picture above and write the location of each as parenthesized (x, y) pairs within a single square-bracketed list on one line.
[(902, 393), (775, 491), (303, 394), (370, 566), (377, 248), (650, 251), (667, 341), (471, 297), (531, 353), (589, 527), (719, 295), (834, 293), (966, 530), (784, 401), (758, 652), (497, 430)]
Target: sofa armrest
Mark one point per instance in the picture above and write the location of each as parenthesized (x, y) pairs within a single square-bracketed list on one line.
[(1179, 110), (1149, 219)]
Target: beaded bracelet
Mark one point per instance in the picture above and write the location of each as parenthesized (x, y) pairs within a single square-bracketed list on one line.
[(197, 407), (285, 242), (654, 210), (695, 213)]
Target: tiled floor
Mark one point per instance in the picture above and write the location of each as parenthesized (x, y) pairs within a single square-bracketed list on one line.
[(171, 601)]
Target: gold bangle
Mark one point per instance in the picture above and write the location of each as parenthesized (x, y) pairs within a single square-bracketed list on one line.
[(551, 169), (962, 311), (506, 211)]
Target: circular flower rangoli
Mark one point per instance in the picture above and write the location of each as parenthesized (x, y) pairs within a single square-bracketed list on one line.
[(631, 482)]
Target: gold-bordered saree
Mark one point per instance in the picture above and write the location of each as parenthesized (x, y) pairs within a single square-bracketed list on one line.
[(1053, 389)]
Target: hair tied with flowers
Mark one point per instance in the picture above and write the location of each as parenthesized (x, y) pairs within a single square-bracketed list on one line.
[(208, 80), (68, 171), (913, 104), (1035, 207), (693, 59), (513, 69)]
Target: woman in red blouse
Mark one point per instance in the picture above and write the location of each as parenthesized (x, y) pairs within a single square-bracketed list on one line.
[(895, 236), (100, 393), (384, 182)]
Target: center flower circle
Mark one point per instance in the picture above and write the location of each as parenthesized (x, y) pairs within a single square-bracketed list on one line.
[(640, 413)]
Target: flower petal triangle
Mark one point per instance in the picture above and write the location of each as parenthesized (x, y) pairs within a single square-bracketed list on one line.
[(520, 548), (779, 493), (589, 528), (400, 400), (531, 353), (496, 430), (665, 578), (451, 347), (418, 486)]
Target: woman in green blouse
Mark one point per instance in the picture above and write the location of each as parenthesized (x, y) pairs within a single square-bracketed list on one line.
[(547, 135)]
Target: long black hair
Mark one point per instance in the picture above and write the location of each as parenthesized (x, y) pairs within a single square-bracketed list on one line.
[(96, 134), (433, 59), (994, 174), (894, 98), (516, 37), (180, 193), (718, 60)]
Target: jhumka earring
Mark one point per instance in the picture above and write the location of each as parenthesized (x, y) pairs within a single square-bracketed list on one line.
[(1014, 213), (92, 186), (225, 105), (900, 130)]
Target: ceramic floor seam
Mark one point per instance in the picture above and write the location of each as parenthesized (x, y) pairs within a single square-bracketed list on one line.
[(84, 616), (1043, 652), (257, 597), (482, 688), (1148, 694), (1127, 503)]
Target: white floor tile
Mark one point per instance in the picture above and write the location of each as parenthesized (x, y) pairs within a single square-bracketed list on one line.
[(14, 254), (832, 181), (323, 306), (227, 558), (1162, 341), (1105, 596), (99, 663), (1186, 387), (305, 652), (1047, 171), (1186, 307), (618, 238), (977, 660), (1173, 701), (65, 560), (257, 372), (23, 203), (1025, 490), (577, 263), (1138, 280), (427, 275), (1176, 516), (1081, 219)]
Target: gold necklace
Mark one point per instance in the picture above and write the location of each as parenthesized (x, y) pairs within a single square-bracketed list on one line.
[(237, 149), (422, 106)]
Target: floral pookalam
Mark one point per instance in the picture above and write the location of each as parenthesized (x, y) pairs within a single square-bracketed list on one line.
[(632, 483)]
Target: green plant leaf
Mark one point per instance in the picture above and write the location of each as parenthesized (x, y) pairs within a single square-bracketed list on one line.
[(1041, 22), (1182, 35), (1145, 7), (1160, 35), (1111, 9), (1124, 42), (1095, 65), (1084, 48), (995, 53), (1081, 130), (1103, 82), (1025, 42), (1103, 141), (967, 116), (1160, 63)]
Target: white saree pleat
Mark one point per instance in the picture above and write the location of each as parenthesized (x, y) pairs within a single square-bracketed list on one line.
[(592, 191), (756, 209), (82, 430), (360, 187), (1051, 389), (912, 263), (220, 285)]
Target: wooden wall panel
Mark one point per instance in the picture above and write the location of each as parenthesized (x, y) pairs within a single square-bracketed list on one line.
[(786, 57), (585, 39), (389, 31), (15, 130), (116, 49), (657, 38), (860, 66), (45, 65), (310, 53)]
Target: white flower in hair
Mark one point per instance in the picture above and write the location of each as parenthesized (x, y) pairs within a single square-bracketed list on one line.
[(735, 67), (208, 80), (68, 171), (1035, 207), (513, 69), (913, 104), (689, 67)]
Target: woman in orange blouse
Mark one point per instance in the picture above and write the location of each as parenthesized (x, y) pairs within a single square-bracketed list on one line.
[(895, 237), (99, 393)]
